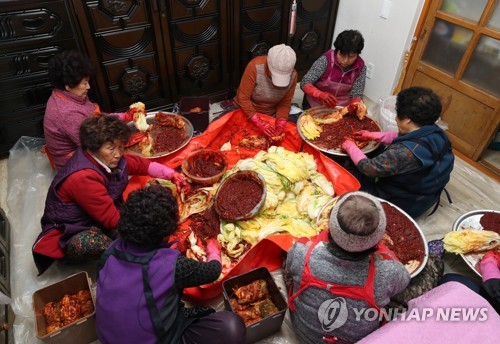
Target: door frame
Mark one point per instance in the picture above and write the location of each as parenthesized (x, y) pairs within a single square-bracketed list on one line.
[(425, 24)]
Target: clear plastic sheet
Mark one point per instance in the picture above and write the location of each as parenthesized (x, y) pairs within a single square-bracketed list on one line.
[(385, 113), (30, 176)]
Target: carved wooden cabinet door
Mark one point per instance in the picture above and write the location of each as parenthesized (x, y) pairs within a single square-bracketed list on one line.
[(125, 40), (196, 46), (30, 33), (314, 31), (258, 25), (161, 50)]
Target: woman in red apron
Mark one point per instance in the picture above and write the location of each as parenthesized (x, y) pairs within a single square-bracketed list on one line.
[(338, 75), (340, 281)]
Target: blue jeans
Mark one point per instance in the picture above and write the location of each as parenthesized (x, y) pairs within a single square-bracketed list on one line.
[(451, 277)]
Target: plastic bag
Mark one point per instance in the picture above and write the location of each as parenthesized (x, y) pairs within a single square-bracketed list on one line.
[(385, 113), (29, 178)]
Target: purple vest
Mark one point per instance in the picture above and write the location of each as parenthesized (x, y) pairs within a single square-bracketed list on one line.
[(136, 301), (336, 81), (70, 216)]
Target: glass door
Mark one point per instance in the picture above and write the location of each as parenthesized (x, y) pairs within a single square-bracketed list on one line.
[(458, 55)]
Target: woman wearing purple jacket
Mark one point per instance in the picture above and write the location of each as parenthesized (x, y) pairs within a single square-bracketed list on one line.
[(141, 280)]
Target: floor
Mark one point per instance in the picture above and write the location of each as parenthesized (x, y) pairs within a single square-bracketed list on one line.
[(491, 159), (25, 176)]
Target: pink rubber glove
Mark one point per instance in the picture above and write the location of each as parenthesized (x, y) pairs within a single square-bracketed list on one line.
[(157, 170), (354, 152), (126, 116), (385, 137), (213, 250), (263, 126), (181, 183), (280, 126), (489, 266), (325, 98)]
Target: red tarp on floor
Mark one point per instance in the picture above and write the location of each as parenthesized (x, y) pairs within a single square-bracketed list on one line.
[(233, 127)]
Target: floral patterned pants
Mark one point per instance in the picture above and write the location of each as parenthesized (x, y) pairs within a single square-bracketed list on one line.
[(87, 245)]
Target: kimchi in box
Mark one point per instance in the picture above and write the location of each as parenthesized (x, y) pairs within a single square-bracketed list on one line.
[(267, 325), (80, 331)]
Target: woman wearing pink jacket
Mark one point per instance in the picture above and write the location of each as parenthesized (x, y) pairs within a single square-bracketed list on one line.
[(68, 105)]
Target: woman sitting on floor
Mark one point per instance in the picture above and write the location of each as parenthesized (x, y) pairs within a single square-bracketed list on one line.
[(69, 104), (82, 206), (141, 280)]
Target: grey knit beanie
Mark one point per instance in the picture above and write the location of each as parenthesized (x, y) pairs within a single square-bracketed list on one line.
[(354, 242)]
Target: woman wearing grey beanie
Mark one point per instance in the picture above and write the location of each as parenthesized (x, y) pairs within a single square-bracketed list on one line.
[(339, 284)]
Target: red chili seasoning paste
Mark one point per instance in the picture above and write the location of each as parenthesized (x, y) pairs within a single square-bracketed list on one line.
[(167, 139), (238, 197), (491, 222), (334, 133), (206, 164), (206, 224), (405, 239)]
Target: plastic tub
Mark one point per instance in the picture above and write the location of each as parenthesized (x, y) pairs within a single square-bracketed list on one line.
[(237, 189), (205, 166)]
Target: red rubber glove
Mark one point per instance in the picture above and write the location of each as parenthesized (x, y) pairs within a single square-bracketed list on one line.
[(279, 126), (180, 182), (263, 126), (385, 137), (213, 250), (353, 151), (127, 116), (355, 100), (352, 107), (325, 98)]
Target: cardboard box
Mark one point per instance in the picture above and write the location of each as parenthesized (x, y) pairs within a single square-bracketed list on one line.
[(200, 119), (82, 331), (269, 325)]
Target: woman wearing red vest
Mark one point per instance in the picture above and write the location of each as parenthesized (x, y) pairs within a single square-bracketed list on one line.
[(337, 76), (339, 282)]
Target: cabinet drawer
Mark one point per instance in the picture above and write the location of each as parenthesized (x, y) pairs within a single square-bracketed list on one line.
[(34, 22), (27, 66)]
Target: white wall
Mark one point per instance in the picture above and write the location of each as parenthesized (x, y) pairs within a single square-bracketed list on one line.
[(386, 40)]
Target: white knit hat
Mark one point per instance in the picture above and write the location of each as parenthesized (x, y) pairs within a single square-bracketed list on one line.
[(355, 242), (281, 61)]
